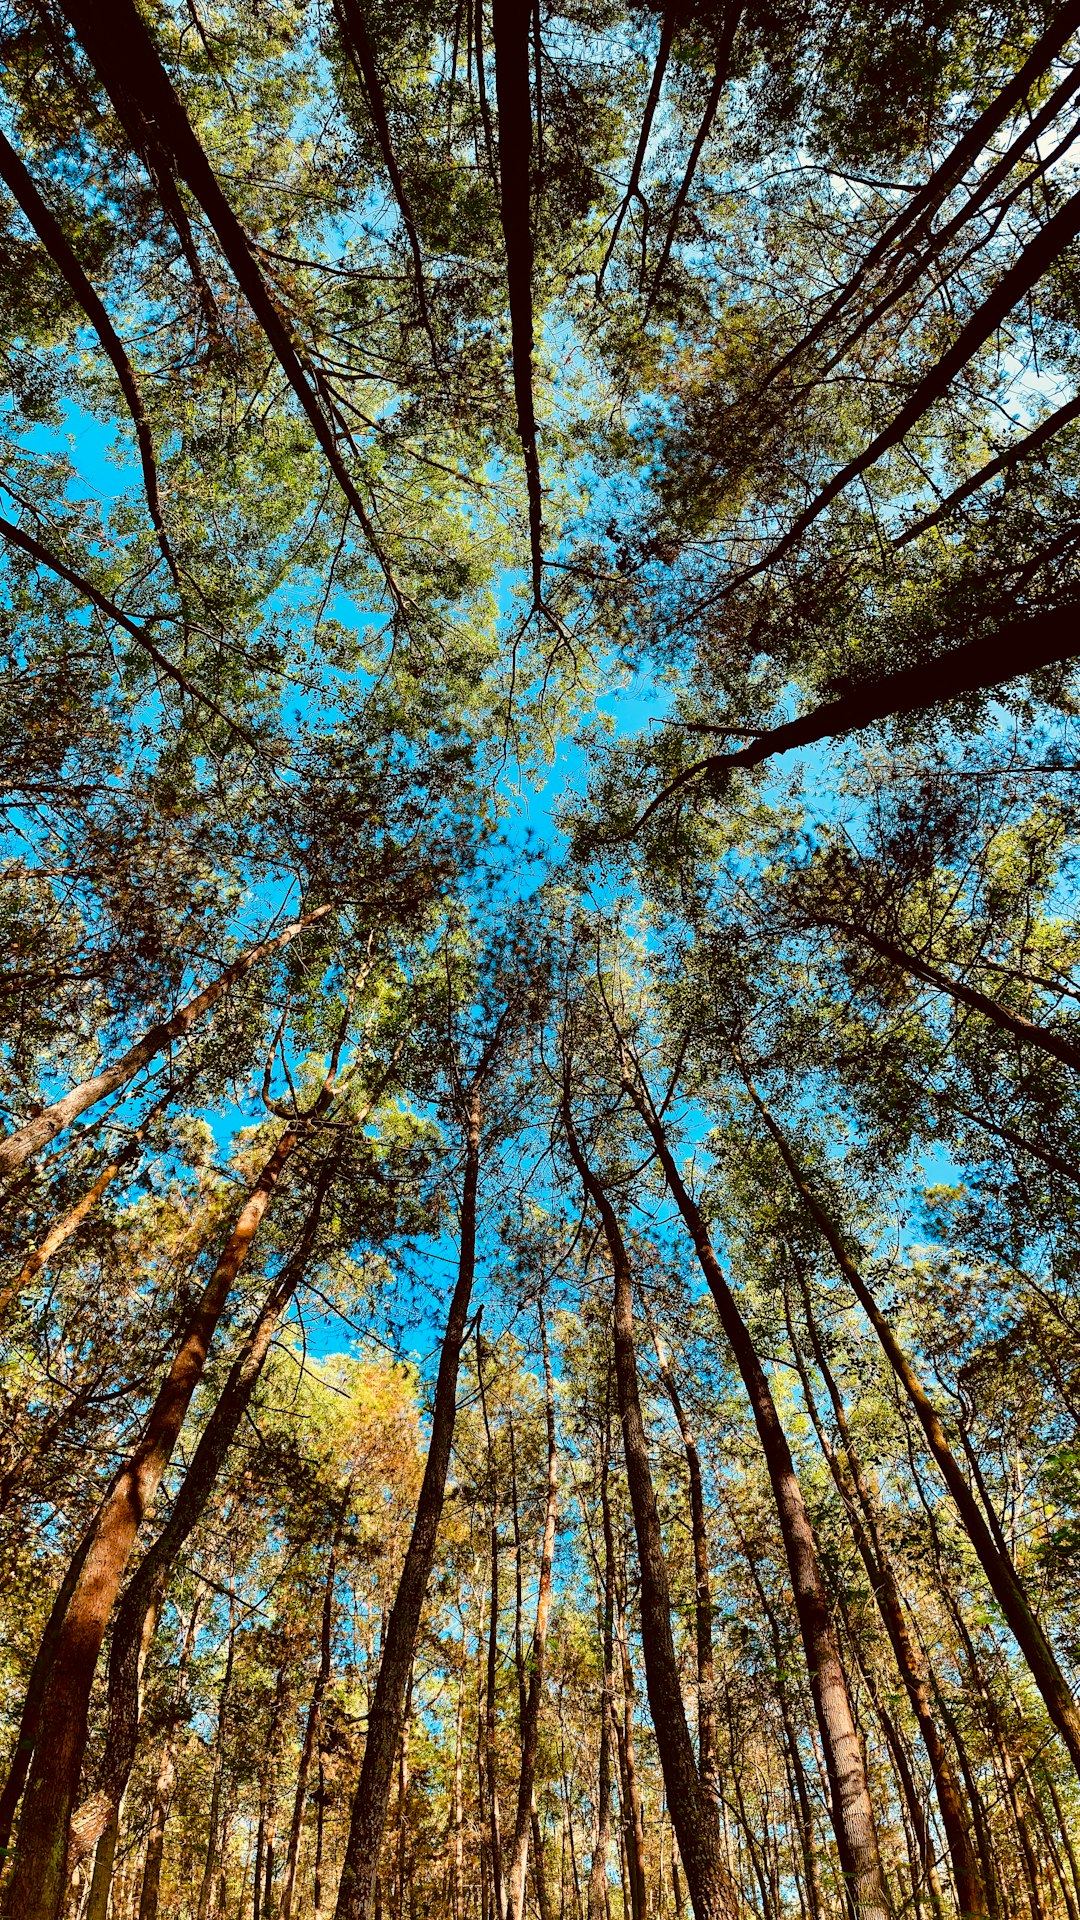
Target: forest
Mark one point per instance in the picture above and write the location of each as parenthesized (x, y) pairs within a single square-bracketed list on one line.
[(540, 960)]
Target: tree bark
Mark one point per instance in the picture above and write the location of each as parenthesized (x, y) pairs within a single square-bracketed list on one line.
[(598, 1880), (38, 1882), (142, 1598), (870, 1542), (372, 1795), (694, 1814), (852, 1808), (1001, 1574), (38, 1132)]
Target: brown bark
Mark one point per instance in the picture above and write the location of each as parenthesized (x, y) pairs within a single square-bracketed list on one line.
[(139, 1606), (213, 1824), (1001, 1574), (37, 1885), (56, 243), (852, 1808), (530, 1726), (45, 1126), (510, 33), (1028, 1031), (693, 1813), (1018, 647), (372, 1796), (120, 47)]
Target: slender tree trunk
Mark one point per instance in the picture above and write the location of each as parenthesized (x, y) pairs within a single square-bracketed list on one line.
[(370, 1802), (213, 1823), (531, 1718), (166, 1781), (693, 1812), (52, 1120), (63, 1229), (1001, 1574), (104, 1857), (458, 1881), (598, 1880), (870, 1541), (37, 1885), (852, 1809), (707, 1760), (311, 1728)]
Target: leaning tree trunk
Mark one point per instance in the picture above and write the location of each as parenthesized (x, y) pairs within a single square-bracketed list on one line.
[(138, 1609), (852, 1808), (38, 1882), (372, 1794), (997, 1565), (692, 1811), (52, 1120)]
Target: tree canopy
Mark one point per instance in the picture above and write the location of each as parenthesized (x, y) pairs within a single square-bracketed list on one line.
[(540, 960)]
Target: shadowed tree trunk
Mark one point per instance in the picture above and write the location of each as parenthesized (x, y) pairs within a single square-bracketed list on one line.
[(531, 1717), (311, 1728)]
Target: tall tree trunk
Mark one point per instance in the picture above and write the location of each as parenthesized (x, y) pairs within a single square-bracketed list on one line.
[(52, 1120), (852, 1809), (142, 1598), (37, 1885), (104, 1858), (598, 1880), (693, 1812), (531, 1718), (1001, 1574), (166, 1781), (870, 1541), (707, 1759), (314, 1712), (206, 1886), (372, 1795)]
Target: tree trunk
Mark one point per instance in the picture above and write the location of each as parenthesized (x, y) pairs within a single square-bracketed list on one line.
[(384, 1721), (101, 1884), (142, 1598), (870, 1541), (598, 1880), (52, 1120), (37, 1885), (694, 1814), (63, 1229), (314, 1711), (207, 1884), (852, 1809), (531, 1717), (1001, 1574), (707, 1760)]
